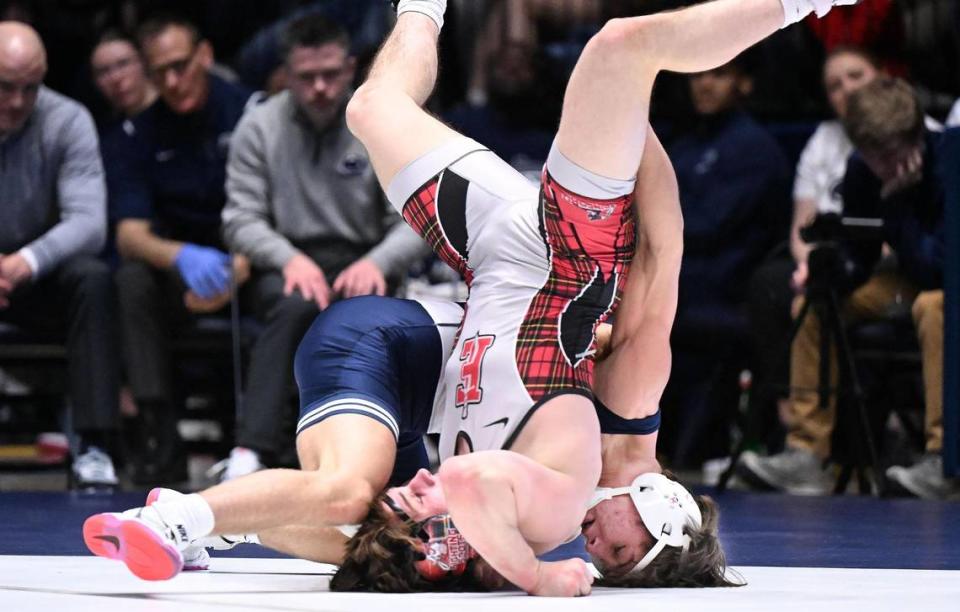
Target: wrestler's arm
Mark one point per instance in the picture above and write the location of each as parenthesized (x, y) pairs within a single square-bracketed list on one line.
[(501, 501), (632, 379)]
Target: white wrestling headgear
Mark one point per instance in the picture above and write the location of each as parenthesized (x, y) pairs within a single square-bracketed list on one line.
[(665, 508)]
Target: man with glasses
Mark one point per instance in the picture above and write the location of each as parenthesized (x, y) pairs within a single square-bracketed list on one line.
[(166, 193), (53, 215), (304, 206)]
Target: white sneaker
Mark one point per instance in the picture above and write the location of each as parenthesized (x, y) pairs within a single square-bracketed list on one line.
[(925, 478), (195, 557), (93, 469), (241, 462), (794, 471), (150, 547), (713, 470)]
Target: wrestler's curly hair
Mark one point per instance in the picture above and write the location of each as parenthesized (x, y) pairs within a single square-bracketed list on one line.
[(703, 564), (381, 558)]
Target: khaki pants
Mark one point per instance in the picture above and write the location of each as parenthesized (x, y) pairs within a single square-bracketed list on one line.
[(809, 427)]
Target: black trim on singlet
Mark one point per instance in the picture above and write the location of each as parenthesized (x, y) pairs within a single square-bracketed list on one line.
[(452, 209), (540, 220), (535, 407), (462, 435), (578, 320)]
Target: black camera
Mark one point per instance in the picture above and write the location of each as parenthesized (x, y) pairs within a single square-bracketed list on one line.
[(830, 263)]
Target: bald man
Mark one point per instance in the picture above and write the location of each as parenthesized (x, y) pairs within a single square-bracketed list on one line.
[(54, 223)]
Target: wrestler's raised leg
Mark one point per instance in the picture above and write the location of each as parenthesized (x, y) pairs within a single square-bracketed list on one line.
[(385, 113), (604, 122)]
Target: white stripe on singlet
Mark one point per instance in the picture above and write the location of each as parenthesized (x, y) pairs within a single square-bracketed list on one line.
[(350, 404)]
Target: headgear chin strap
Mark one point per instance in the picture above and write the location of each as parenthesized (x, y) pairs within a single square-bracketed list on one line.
[(665, 508)]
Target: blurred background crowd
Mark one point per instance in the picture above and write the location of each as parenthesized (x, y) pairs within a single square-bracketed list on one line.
[(181, 197)]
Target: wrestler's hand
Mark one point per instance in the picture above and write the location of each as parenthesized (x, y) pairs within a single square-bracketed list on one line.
[(569, 578), (604, 340), (362, 277), (301, 273)]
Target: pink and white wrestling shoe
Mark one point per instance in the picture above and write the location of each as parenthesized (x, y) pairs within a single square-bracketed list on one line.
[(150, 548)]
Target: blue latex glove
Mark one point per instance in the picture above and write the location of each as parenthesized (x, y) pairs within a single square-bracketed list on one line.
[(205, 270)]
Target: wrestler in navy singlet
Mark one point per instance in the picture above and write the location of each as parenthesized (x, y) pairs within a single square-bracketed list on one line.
[(380, 357)]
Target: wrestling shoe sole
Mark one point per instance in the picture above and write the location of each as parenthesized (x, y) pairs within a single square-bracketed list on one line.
[(146, 554)]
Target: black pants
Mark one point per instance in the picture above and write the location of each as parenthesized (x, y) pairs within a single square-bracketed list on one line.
[(151, 308), (769, 299), (77, 302), (710, 341)]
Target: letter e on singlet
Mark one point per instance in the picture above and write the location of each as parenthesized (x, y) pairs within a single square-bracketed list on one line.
[(469, 390)]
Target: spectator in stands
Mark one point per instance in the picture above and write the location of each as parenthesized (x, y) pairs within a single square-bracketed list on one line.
[(305, 207), (121, 78), (897, 174), (516, 122), (559, 27), (120, 75), (260, 62), (166, 186), (734, 190), (876, 25), (54, 222), (816, 189)]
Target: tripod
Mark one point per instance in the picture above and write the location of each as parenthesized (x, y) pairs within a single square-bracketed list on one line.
[(821, 299)]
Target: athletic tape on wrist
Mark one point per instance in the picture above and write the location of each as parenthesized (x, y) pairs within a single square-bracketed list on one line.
[(434, 9)]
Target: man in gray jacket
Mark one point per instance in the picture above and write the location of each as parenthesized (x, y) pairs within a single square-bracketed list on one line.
[(53, 215), (304, 206)]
